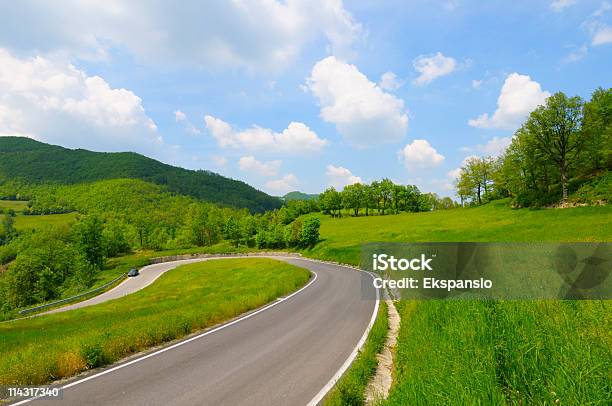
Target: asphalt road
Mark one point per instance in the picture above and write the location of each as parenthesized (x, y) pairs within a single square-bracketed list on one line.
[(283, 355)]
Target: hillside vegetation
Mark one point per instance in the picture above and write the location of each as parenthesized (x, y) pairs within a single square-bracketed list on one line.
[(61, 240), (30, 161)]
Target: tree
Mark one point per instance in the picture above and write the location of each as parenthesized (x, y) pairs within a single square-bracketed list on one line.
[(476, 179), (7, 229), (597, 130), (232, 231), (115, 237), (556, 131), (353, 197), (331, 201), (310, 232), (385, 188), (88, 236)]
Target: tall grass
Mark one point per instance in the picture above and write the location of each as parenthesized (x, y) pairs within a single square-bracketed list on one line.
[(519, 353), (351, 387), (183, 300)]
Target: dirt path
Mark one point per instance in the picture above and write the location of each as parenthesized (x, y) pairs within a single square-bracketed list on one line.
[(379, 386)]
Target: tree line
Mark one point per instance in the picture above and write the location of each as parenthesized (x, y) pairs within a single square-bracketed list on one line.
[(380, 198), (561, 154)]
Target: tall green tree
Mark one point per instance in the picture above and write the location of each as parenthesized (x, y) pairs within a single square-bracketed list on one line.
[(89, 238), (556, 131), (353, 197)]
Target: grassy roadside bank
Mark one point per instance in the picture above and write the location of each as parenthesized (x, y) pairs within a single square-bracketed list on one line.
[(186, 299), (492, 352), (351, 387)]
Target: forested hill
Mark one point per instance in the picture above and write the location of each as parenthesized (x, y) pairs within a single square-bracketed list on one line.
[(31, 161), (299, 196)]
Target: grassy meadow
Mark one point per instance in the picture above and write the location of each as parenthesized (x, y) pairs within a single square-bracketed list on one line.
[(495, 352), (186, 299), (23, 223), (341, 238), (16, 205)]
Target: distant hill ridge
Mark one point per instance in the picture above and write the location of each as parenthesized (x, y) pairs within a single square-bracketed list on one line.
[(31, 161), (296, 195)]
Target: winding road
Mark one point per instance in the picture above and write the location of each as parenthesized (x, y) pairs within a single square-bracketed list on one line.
[(287, 353)]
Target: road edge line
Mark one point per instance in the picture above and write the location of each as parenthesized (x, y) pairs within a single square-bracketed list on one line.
[(334, 379)]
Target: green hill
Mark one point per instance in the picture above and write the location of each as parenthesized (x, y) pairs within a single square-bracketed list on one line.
[(299, 196), (31, 161)]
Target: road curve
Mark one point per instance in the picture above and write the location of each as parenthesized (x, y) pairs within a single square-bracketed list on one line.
[(283, 355)]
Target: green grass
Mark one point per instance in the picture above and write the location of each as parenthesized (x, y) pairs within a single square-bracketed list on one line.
[(351, 387), (474, 352), (16, 205), (23, 223), (494, 222), (184, 300), (519, 353)]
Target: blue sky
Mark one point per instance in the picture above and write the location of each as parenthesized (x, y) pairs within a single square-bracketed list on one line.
[(398, 89)]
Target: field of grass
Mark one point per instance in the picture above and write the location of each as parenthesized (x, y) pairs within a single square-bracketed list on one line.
[(351, 387), (23, 223), (494, 222), (16, 205), (519, 353), (495, 352), (186, 299)]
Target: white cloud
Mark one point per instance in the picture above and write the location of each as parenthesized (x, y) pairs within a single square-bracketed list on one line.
[(250, 164), (286, 184), (389, 81), (576, 55), (257, 34), (296, 138), (476, 84), (339, 177), (179, 116), (494, 147), (518, 97), (362, 112), (53, 101), (560, 5), (432, 67), (420, 154), (602, 36)]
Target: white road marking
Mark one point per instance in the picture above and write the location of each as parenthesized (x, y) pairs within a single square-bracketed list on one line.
[(332, 382)]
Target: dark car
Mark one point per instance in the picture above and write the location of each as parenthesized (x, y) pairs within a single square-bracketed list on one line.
[(133, 272)]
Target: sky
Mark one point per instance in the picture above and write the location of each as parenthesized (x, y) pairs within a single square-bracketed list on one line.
[(297, 94)]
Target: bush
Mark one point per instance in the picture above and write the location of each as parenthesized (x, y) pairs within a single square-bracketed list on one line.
[(93, 355), (310, 232)]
